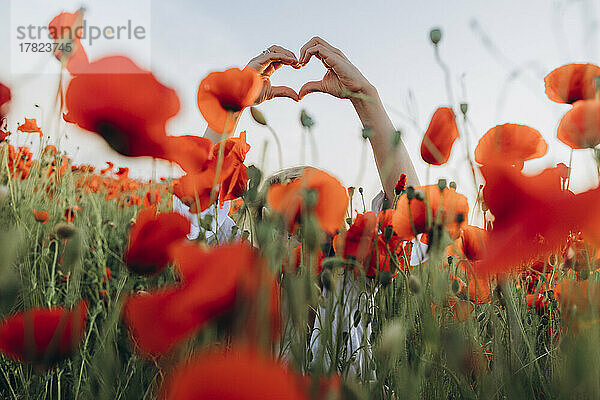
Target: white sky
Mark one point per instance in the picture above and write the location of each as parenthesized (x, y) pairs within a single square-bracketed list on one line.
[(388, 41)]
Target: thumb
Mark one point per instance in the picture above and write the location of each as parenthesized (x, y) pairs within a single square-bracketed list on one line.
[(284, 91), (311, 87)]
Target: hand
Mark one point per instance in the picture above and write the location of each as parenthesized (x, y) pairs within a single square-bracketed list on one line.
[(266, 64), (342, 77)]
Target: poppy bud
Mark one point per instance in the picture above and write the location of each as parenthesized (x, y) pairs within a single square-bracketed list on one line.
[(360, 190), (258, 116), (356, 318), (452, 185), (463, 108), (455, 286), (419, 195), (385, 278), (349, 221), (414, 284), (305, 119), (311, 232), (410, 193), (366, 133), (442, 183), (435, 35), (351, 191), (388, 232), (327, 279), (450, 260)]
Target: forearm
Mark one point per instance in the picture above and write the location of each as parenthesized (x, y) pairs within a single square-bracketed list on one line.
[(391, 160)]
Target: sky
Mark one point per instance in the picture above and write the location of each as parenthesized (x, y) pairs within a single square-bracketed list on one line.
[(498, 54)]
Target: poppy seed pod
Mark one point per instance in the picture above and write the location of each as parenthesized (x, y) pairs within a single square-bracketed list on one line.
[(442, 183), (306, 119), (464, 107), (419, 195), (435, 35)]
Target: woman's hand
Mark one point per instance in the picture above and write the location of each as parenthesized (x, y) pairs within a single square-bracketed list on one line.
[(266, 64), (342, 78)]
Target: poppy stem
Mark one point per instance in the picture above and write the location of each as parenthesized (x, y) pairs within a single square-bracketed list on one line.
[(278, 143)]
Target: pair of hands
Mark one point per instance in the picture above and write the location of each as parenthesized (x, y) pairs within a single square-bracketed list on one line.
[(341, 78)]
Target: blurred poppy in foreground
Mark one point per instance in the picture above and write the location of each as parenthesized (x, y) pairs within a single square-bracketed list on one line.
[(439, 137), (221, 94), (124, 104), (161, 319), (533, 216), (30, 126), (510, 144), (579, 128), (66, 29), (5, 97), (233, 177), (315, 190), (190, 152), (571, 82), (43, 336), (209, 375), (150, 239), (419, 216)]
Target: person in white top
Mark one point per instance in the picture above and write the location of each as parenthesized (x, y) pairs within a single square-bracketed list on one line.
[(344, 81)]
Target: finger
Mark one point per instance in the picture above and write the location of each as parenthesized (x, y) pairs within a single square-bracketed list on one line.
[(262, 61), (284, 91), (315, 41), (282, 50), (328, 57), (311, 87)]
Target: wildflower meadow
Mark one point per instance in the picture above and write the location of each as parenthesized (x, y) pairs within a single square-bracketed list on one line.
[(230, 283)]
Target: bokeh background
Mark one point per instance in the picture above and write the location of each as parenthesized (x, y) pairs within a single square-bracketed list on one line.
[(498, 54)]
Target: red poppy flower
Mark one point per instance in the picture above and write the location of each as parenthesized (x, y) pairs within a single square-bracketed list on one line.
[(3, 135), (208, 376), (461, 309), (150, 239), (160, 320), (453, 206), (533, 216), (571, 82), (236, 206), (223, 93), (152, 197), (70, 213), (5, 97), (510, 144), (50, 149), (109, 167), (124, 104), (474, 242), (579, 128), (66, 29), (30, 126), (358, 240), (233, 178), (390, 255), (439, 137), (288, 199), (43, 336), (196, 189), (400, 185), (190, 152), (41, 216)]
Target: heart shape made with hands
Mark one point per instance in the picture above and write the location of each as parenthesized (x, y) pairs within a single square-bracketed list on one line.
[(340, 77)]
